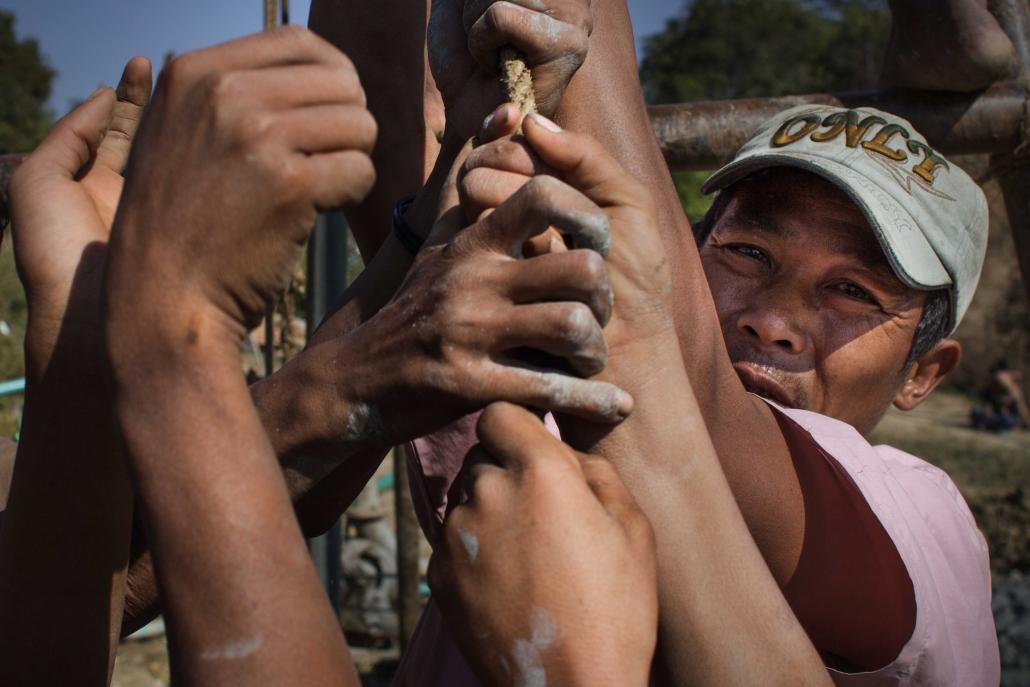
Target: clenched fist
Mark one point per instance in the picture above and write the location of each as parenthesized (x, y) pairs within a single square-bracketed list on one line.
[(547, 574), (241, 148), (465, 39)]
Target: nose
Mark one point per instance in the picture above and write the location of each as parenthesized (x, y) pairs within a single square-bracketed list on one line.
[(773, 326)]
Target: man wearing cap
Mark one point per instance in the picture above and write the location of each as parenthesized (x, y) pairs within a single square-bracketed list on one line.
[(840, 253)]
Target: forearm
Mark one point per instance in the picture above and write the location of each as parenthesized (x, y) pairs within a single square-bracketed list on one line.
[(718, 600), (65, 538), (386, 42), (311, 419), (606, 101), (241, 598)]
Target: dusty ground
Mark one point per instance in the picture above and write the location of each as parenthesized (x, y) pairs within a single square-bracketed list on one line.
[(992, 471)]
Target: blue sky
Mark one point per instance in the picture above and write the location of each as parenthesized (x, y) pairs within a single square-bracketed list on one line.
[(88, 41)]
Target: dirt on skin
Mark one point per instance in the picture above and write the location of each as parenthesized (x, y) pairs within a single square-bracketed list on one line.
[(144, 663), (992, 471)]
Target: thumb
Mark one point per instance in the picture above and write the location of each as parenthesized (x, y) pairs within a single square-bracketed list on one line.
[(584, 164), (74, 140)]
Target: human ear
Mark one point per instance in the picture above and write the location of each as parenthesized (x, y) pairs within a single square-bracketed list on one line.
[(927, 372)]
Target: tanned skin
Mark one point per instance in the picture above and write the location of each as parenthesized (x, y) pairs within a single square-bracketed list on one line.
[(577, 534), (604, 99), (318, 423), (945, 45), (64, 543), (194, 260), (714, 588)]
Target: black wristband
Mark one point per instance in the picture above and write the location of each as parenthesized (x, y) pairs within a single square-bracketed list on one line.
[(402, 230)]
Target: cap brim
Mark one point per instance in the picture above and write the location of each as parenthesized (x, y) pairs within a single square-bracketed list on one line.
[(909, 253)]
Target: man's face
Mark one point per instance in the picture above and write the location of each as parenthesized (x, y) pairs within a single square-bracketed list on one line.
[(812, 314)]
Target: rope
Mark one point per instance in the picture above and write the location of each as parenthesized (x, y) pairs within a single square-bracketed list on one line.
[(518, 81)]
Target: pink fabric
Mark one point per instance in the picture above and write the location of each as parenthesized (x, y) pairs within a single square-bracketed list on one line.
[(433, 657), (954, 643)]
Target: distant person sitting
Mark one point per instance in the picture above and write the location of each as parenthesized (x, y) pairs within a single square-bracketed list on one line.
[(1002, 405)]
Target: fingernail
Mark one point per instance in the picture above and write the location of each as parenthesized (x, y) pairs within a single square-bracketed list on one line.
[(97, 92), (498, 117), (624, 404), (545, 122)]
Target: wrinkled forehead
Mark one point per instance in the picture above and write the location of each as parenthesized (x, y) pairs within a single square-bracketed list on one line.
[(798, 206)]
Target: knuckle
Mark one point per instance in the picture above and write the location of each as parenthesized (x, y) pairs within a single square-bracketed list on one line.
[(178, 69), (593, 271), (291, 181), (359, 177), (577, 323), (295, 33), (541, 190), (255, 127), (496, 16), (223, 86), (367, 129)]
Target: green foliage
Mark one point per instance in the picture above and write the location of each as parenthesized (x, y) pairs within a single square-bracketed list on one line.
[(724, 49), (25, 81), (688, 185)]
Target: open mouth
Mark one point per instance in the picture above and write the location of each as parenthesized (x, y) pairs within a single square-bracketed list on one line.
[(762, 381)]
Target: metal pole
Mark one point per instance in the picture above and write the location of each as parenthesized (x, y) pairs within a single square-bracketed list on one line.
[(705, 135), (270, 19), (408, 576), (327, 279), (271, 14)]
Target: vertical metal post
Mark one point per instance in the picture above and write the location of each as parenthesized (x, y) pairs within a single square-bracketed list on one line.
[(408, 575), (327, 279), (270, 22), (271, 14), (1014, 17)]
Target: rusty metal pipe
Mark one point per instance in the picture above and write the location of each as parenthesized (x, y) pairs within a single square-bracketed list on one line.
[(705, 135)]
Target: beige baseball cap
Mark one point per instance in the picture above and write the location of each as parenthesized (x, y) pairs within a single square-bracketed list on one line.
[(930, 217)]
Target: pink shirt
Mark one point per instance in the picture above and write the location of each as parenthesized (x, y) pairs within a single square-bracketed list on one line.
[(954, 642)]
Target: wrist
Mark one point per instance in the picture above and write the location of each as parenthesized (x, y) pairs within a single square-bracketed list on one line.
[(425, 209), (153, 338), (310, 407)]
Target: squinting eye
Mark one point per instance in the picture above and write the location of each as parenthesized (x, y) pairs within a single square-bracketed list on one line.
[(852, 291), (749, 251)]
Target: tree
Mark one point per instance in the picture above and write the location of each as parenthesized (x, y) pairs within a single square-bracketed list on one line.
[(25, 82), (722, 49)]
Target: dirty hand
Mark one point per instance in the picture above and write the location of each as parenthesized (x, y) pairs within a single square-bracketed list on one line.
[(455, 337), (465, 39), (243, 145), (63, 199), (637, 266), (547, 573)]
